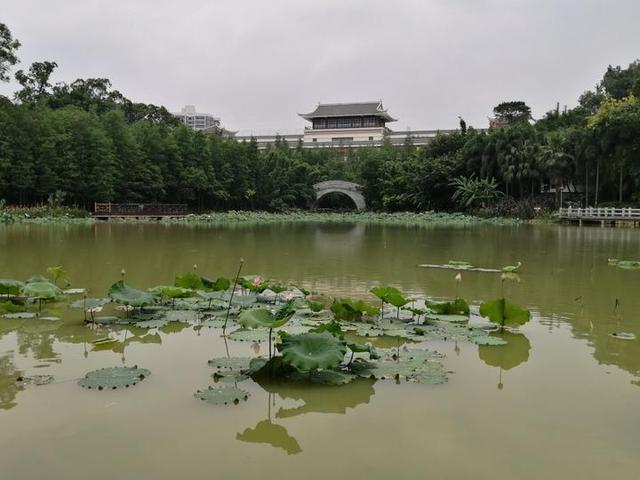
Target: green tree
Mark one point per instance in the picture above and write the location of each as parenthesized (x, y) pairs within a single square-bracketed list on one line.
[(8, 49)]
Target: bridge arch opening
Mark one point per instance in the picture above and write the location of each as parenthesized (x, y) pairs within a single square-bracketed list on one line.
[(335, 201), (336, 189)]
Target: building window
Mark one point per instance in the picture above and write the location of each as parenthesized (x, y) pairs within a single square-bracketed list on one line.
[(371, 139), (314, 139)]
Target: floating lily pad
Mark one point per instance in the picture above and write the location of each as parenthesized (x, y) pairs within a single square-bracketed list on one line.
[(323, 377), (20, 315), (411, 365), (154, 323), (106, 319), (87, 303), (448, 318), (120, 292), (250, 335), (623, 335), (222, 396), (230, 363), (74, 291), (213, 322), (113, 377), (38, 380)]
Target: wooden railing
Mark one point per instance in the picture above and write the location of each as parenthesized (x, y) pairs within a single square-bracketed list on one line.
[(592, 213), (139, 209)]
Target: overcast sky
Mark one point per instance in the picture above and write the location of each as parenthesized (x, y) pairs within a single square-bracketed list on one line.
[(257, 63)]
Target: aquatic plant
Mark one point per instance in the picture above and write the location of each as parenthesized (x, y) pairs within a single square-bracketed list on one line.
[(312, 351), (390, 295), (512, 268), (233, 291), (122, 293), (113, 377), (625, 264), (58, 273), (504, 312), (264, 318), (458, 307), (10, 287), (352, 310), (222, 396)]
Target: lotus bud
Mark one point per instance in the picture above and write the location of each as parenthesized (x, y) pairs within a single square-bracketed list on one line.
[(195, 267), (458, 277), (122, 273)]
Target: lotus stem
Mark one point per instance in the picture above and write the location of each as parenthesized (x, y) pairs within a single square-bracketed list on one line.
[(270, 330), (233, 290)]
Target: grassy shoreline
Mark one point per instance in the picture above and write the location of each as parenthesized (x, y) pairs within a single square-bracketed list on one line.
[(43, 216)]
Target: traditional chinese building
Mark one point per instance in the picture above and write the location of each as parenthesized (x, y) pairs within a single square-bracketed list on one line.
[(346, 123)]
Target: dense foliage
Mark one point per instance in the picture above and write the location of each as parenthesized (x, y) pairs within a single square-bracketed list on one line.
[(85, 142)]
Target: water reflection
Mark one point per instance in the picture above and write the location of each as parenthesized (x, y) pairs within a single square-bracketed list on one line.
[(506, 357), (315, 398), (9, 387), (270, 433)]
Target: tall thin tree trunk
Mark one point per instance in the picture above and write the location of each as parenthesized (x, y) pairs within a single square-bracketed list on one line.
[(597, 181), (586, 184), (620, 186)]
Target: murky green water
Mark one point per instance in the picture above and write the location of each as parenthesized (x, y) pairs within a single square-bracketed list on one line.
[(565, 404)]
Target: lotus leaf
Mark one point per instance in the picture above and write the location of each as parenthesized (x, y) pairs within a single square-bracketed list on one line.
[(213, 322), (448, 266), (113, 377), (628, 264), (448, 318), (74, 291), (412, 365), (120, 292), (169, 291), (216, 285), (87, 303), (350, 310), (323, 377), (249, 335), (390, 295), (184, 316), (457, 307), (222, 396), (153, 323), (37, 279), (231, 363), (105, 319), (20, 315), (10, 287), (57, 273), (261, 318), (503, 312), (41, 290), (189, 281), (309, 351)]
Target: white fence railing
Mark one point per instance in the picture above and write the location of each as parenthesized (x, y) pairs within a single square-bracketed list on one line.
[(600, 213)]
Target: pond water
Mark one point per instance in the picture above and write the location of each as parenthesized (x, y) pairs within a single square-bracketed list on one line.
[(561, 400)]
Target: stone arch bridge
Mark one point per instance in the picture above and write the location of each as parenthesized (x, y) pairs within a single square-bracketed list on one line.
[(350, 189)]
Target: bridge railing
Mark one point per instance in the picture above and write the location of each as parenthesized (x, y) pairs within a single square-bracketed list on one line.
[(600, 213), (140, 209)]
